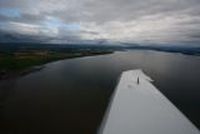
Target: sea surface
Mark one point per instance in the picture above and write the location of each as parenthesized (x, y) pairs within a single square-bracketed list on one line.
[(70, 96)]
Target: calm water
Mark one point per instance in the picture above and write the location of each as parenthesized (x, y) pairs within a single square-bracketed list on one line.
[(71, 96)]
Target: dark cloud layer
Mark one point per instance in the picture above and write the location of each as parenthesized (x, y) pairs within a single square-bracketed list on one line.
[(133, 21)]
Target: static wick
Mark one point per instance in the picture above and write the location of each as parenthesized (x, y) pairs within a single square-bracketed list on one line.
[(138, 80)]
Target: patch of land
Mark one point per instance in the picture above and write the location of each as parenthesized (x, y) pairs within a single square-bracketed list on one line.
[(22, 62)]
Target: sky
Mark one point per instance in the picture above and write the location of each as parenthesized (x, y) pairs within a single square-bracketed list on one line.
[(109, 21)]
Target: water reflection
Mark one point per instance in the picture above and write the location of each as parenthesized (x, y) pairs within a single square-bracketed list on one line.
[(70, 96), (6, 91)]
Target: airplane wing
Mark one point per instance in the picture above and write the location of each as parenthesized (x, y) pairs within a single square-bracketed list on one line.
[(140, 108)]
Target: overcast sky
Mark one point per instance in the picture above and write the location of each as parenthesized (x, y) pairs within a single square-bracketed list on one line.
[(133, 21)]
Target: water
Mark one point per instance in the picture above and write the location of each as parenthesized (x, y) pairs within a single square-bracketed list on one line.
[(71, 96)]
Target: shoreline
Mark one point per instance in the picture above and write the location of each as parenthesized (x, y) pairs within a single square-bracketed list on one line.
[(12, 75), (37, 62)]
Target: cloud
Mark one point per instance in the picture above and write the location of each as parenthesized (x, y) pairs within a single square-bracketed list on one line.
[(147, 21)]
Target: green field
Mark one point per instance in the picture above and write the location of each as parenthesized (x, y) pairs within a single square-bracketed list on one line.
[(19, 62)]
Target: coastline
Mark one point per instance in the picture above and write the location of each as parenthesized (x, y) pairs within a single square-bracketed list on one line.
[(15, 65)]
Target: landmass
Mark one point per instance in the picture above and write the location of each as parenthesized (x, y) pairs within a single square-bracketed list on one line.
[(20, 62), (17, 58)]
